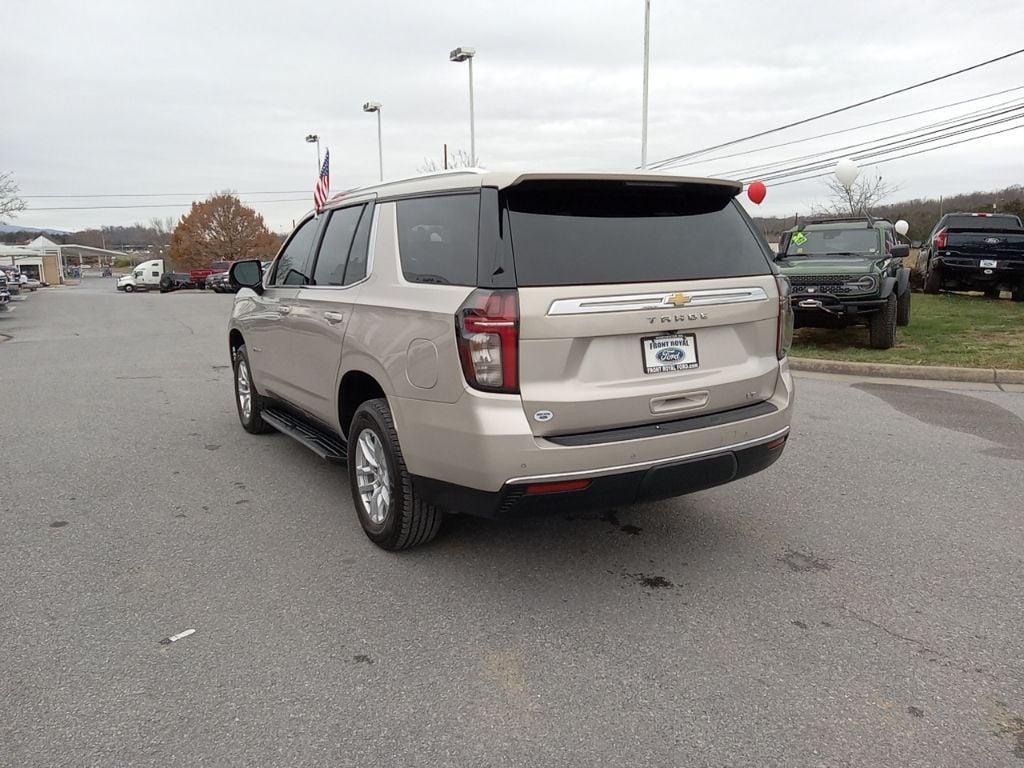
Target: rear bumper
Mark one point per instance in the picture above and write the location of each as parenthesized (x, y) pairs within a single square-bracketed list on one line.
[(970, 272), (483, 443), (608, 487)]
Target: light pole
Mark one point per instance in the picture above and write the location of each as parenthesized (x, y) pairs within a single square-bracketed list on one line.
[(466, 54), (374, 106), (315, 139), (647, 66)]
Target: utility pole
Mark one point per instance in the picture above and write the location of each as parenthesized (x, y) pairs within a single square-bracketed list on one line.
[(647, 66), (446, 157)]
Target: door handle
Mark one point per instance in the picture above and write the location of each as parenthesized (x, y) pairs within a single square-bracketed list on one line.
[(333, 317)]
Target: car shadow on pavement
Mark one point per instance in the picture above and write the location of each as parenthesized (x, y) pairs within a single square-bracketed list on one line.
[(958, 412)]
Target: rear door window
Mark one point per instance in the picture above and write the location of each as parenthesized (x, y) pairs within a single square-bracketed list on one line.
[(437, 239), (587, 232), (334, 248), (359, 253)]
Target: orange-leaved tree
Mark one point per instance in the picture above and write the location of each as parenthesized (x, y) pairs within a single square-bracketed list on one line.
[(220, 228)]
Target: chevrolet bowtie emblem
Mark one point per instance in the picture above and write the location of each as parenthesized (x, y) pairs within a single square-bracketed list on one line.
[(677, 299)]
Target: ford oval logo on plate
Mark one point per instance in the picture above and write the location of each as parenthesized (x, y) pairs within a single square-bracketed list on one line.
[(670, 355), (543, 416)]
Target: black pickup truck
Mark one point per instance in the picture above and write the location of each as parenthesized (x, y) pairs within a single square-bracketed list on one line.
[(974, 252)]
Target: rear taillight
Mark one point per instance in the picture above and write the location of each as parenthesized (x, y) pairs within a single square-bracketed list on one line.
[(487, 330), (939, 241), (784, 335)]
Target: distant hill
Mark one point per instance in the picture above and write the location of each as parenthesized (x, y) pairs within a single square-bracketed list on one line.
[(8, 228)]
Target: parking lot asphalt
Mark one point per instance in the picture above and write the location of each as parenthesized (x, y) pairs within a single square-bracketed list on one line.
[(861, 603)]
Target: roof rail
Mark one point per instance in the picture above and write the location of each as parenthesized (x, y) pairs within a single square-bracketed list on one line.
[(871, 220), (384, 184)]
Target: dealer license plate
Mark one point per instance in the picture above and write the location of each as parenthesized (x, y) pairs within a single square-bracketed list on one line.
[(988, 263), (676, 352)]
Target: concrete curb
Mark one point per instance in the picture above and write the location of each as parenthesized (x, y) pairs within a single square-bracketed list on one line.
[(927, 372)]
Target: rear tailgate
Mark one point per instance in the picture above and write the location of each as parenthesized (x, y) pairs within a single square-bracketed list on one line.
[(999, 244), (638, 304), (588, 370)]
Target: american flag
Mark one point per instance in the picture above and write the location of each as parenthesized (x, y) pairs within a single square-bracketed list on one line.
[(323, 184)]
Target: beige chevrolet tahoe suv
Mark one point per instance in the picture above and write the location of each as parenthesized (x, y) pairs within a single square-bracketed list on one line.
[(496, 343)]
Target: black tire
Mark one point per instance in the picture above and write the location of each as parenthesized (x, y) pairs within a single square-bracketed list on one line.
[(932, 280), (882, 326), (253, 423), (1017, 294), (992, 293), (903, 308), (409, 521), (129, 289)]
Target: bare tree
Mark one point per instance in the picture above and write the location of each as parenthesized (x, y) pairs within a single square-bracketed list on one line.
[(10, 203), (457, 158), (164, 226), (865, 193)]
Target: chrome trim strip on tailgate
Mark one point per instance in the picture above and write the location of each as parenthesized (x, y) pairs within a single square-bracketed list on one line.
[(621, 468), (647, 301)]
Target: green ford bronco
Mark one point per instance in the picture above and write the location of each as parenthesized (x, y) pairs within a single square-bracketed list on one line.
[(847, 272)]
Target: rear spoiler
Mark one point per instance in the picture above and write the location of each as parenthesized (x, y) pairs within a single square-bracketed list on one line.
[(639, 179)]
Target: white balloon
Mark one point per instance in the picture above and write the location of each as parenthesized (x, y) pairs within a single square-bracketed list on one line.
[(901, 227), (847, 172)]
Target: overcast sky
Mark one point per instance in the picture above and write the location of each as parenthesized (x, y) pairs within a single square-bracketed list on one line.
[(193, 97)]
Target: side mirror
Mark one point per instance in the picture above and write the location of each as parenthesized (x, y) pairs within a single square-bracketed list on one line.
[(247, 274), (900, 251)]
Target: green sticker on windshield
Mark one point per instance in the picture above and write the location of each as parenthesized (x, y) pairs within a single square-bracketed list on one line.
[(799, 238)]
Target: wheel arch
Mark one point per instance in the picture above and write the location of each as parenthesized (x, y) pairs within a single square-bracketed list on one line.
[(356, 387), (235, 340), (903, 277), (888, 285)]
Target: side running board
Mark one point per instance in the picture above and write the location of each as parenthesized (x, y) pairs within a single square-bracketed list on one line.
[(323, 444)]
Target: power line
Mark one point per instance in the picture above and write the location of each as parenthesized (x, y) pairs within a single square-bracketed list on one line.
[(854, 128), (895, 146), (157, 205), (836, 111), (165, 194), (942, 125), (907, 154), (796, 170)]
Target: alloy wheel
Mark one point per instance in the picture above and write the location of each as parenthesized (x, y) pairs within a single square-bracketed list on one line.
[(372, 476), (244, 390)]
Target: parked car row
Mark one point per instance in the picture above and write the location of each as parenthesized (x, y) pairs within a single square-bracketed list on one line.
[(151, 275), (852, 270), (14, 283)]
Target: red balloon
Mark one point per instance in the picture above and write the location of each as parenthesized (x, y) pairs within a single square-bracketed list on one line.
[(756, 192)]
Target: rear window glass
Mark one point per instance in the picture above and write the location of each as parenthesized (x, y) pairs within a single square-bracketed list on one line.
[(437, 239), (580, 233), (983, 222)]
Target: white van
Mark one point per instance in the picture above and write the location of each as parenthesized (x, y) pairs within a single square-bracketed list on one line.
[(145, 277)]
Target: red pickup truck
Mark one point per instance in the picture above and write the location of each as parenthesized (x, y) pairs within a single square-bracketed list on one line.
[(198, 276)]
